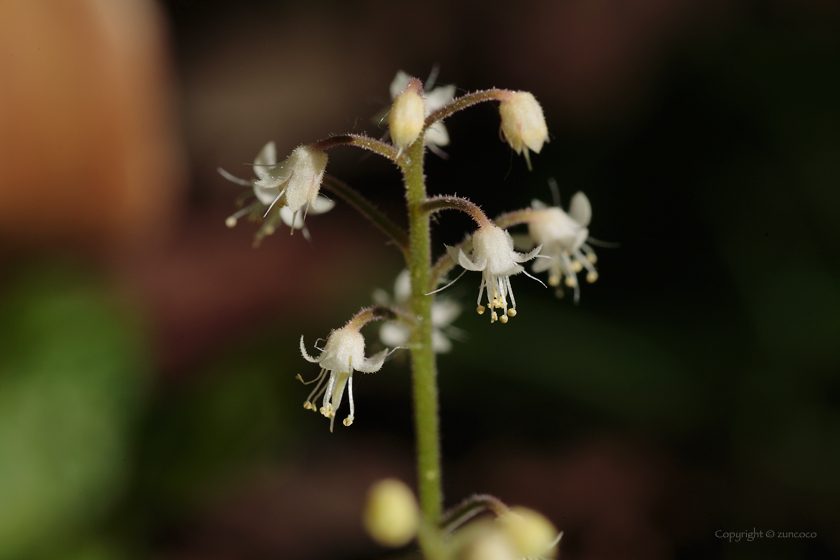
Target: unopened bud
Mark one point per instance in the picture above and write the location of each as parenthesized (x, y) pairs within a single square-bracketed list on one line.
[(530, 532), (391, 515), (408, 115), (523, 123), (491, 545)]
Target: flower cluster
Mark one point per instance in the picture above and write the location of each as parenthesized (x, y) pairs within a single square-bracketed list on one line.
[(562, 236), (415, 318)]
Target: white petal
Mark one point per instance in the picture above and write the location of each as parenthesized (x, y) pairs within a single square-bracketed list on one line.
[(322, 204), (580, 209), (444, 311), (437, 135), (439, 97), (538, 204), (265, 159), (306, 356), (234, 178), (519, 257), (392, 334), (402, 287), (440, 343), (399, 84), (381, 297), (541, 265), (291, 219), (466, 263), (372, 364)]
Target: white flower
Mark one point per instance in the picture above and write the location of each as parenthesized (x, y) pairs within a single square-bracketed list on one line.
[(343, 353), (436, 135), (493, 255), (563, 238), (523, 123), (291, 186), (444, 312)]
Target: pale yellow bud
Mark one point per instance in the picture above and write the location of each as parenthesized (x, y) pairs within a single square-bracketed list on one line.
[(523, 123), (490, 545), (408, 115), (391, 515), (530, 532)]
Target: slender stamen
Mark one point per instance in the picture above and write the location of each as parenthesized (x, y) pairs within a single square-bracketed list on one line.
[(277, 198), (233, 218), (349, 419)]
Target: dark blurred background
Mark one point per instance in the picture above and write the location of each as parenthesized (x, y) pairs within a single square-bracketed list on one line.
[(148, 407)]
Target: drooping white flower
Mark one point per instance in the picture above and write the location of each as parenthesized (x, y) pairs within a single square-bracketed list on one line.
[(436, 135), (523, 123), (563, 239), (343, 354), (444, 312), (290, 188), (493, 255)]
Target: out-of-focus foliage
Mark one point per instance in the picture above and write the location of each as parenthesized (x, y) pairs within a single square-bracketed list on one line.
[(72, 370)]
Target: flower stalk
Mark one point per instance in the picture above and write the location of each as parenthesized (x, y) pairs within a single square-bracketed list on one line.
[(424, 371)]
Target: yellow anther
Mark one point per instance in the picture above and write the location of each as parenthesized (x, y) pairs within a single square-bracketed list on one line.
[(554, 281), (348, 421), (307, 405), (577, 266), (494, 317), (570, 281), (512, 312), (592, 276), (480, 309), (592, 257), (299, 378), (503, 319), (230, 222), (269, 230)]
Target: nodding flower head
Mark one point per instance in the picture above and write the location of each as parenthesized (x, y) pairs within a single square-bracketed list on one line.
[(493, 255), (523, 123), (436, 135), (343, 354), (290, 188), (563, 237)]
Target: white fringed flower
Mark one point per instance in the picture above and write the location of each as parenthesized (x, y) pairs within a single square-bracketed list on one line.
[(563, 238), (523, 123), (493, 255), (343, 353), (436, 135), (444, 312), (292, 187)]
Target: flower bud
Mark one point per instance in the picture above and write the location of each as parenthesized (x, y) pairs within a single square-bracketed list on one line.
[(408, 115), (391, 515), (530, 532), (523, 123), (490, 545)]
